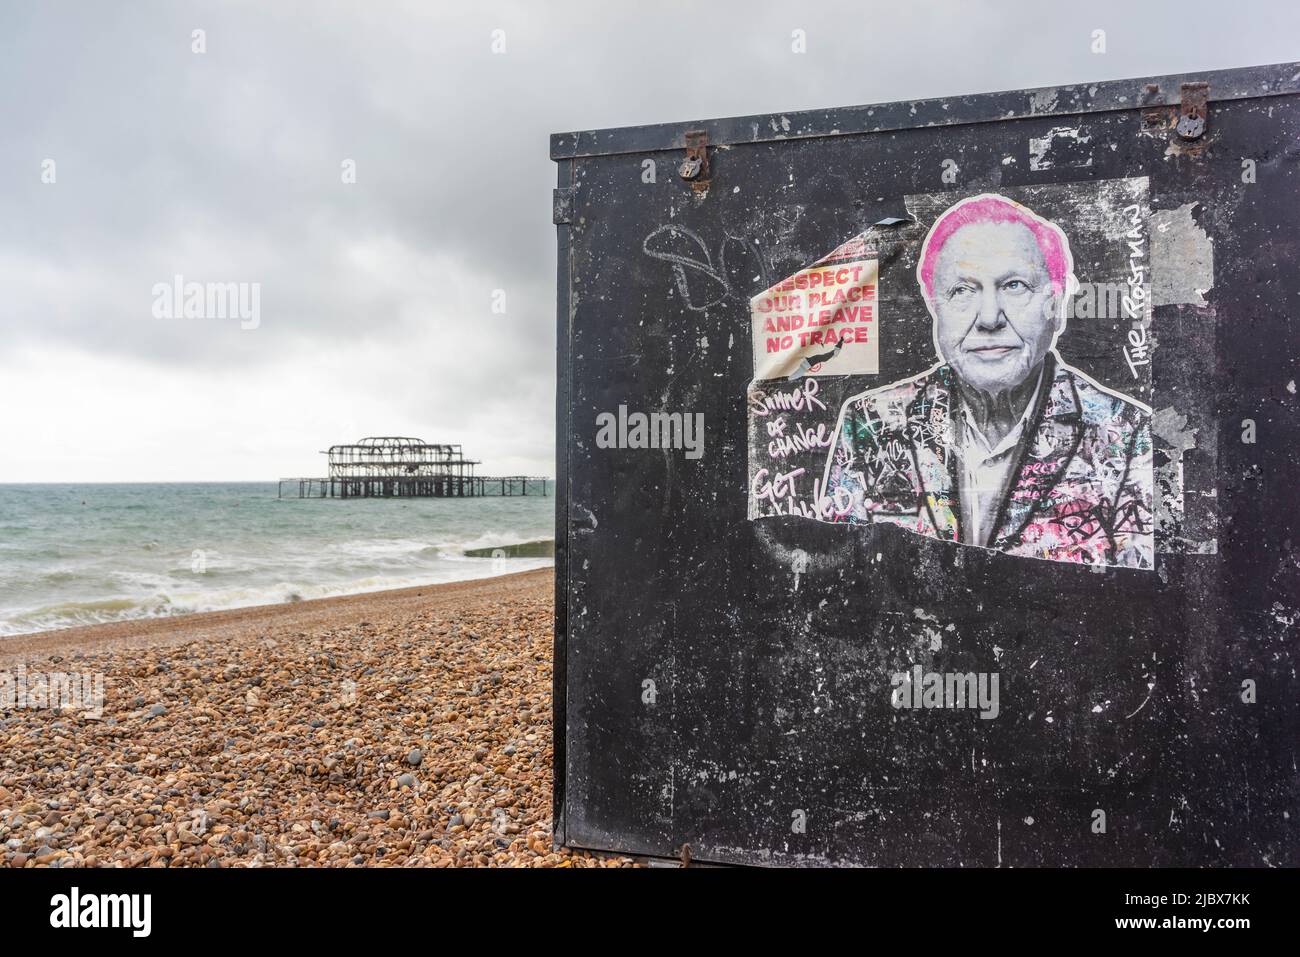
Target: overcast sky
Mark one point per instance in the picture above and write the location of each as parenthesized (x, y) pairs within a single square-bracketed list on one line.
[(376, 296)]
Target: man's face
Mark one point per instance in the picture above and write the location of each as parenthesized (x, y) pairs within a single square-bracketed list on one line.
[(995, 310)]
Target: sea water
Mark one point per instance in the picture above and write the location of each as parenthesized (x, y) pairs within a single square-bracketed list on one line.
[(86, 554)]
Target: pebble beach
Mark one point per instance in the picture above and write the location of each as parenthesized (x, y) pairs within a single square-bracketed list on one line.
[(407, 728)]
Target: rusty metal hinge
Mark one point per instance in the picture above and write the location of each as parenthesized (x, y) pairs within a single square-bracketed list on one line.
[(562, 204), (695, 167), (1153, 113), (1193, 112)]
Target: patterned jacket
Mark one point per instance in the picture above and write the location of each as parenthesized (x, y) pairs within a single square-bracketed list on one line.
[(1080, 489)]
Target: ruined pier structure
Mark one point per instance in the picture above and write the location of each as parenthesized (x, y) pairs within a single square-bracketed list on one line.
[(389, 466)]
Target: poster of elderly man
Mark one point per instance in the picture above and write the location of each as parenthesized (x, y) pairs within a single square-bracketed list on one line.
[(1001, 443)]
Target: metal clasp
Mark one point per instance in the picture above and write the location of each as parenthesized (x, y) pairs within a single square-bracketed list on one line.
[(1193, 113), (695, 166)]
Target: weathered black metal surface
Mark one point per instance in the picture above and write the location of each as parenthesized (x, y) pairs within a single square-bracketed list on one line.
[(1250, 82), (724, 681)]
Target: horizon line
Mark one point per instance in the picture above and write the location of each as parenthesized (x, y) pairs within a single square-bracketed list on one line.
[(274, 481)]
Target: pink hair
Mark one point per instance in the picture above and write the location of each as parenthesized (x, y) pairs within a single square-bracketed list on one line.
[(990, 208)]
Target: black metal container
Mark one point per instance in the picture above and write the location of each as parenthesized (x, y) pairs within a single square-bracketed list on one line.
[(795, 622)]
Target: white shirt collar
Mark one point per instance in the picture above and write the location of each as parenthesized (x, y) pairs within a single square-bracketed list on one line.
[(974, 439)]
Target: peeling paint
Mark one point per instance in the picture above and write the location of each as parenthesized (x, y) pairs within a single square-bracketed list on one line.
[(1173, 429), (1063, 146), (1182, 257), (1043, 101), (1171, 425)]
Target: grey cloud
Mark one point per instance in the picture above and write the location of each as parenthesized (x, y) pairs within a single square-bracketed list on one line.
[(226, 166)]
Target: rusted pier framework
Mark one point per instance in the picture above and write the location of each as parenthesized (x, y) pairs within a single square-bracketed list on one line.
[(403, 467)]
